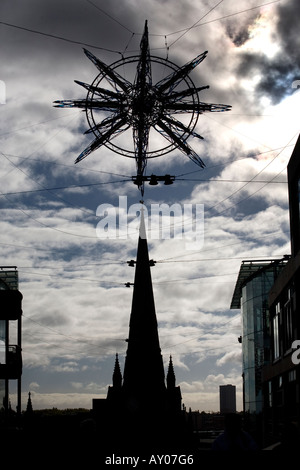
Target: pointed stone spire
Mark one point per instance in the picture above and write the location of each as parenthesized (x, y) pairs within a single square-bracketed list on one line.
[(171, 379), (117, 376), (143, 371)]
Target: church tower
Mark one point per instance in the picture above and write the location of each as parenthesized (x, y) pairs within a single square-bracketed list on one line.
[(142, 397)]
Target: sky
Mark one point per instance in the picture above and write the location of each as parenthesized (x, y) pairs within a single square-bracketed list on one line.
[(72, 273)]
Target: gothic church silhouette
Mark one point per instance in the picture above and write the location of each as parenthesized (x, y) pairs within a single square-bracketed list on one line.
[(143, 408)]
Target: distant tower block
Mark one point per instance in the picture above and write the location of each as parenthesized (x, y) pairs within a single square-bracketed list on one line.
[(227, 399)]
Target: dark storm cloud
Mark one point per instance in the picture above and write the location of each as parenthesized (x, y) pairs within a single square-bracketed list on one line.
[(288, 29), (276, 73), (238, 28), (95, 23), (238, 37)]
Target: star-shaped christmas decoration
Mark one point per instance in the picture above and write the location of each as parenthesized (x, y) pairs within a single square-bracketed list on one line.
[(160, 117)]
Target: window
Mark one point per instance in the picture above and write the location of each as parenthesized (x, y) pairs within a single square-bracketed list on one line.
[(276, 349), (288, 322), (292, 375), (270, 394)]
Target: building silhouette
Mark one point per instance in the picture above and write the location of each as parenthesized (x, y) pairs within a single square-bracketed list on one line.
[(143, 406), (227, 399), (10, 344), (251, 292), (268, 293), (281, 376)]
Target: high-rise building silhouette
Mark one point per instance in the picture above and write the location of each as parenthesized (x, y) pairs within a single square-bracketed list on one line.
[(227, 399)]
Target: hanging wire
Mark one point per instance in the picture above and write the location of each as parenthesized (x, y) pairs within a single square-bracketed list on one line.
[(61, 38), (193, 26)]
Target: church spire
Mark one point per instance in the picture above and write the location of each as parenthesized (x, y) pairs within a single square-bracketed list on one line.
[(29, 409), (171, 379), (143, 371), (117, 376)]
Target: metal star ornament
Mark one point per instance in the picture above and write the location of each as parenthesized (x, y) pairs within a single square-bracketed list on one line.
[(160, 117)]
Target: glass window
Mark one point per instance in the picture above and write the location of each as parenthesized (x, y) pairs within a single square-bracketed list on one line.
[(288, 325), (292, 375), (276, 333)]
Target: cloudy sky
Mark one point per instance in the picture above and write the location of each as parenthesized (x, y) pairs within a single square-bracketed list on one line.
[(76, 307)]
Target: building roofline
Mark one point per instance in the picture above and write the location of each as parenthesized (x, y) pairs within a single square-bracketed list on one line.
[(248, 269)]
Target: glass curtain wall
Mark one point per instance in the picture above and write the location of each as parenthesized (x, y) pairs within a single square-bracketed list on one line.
[(256, 338)]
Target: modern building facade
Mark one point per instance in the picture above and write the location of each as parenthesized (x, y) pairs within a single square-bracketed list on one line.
[(10, 338), (268, 294), (281, 377), (253, 285), (227, 399)]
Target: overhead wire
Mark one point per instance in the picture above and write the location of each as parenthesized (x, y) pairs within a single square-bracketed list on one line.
[(13, 131), (188, 29), (71, 337), (214, 248), (210, 207), (109, 262), (252, 179), (190, 220), (230, 15), (119, 283), (50, 190), (196, 25), (233, 160), (193, 338), (212, 180), (48, 226), (41, 146), (109, 16), (61, 38), (183, 30), (24, 212), (55, 162), (87, 185)]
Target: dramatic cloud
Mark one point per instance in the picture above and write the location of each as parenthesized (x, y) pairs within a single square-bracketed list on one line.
[(276, 65), (75, 304)]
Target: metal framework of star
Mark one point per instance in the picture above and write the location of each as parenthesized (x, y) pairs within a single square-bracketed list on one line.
[(160, 117)]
